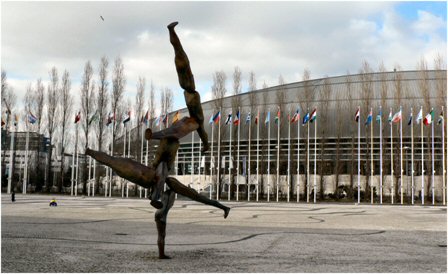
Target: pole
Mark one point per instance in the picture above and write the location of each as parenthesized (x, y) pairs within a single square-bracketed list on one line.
[(308, 161), (25, 175), (77, 172), (94, 176), (401, 157), (146, 162), (412, 158), (124, 155), (230, 160), (129, 155), (371, 158), (141, 157), (289, 154), (212, 162), (359, 156), (219, 157), (391, 160), (75, 166), (112, 154), (381, 156), (423, 163), (432, 160), (192, 160), (269, 153), (443, 159), (11, 162), (315, 158), (248, 160), (90, 173), (298, 157), (258, 149), (238, 157), (199, 182), (278, 151)]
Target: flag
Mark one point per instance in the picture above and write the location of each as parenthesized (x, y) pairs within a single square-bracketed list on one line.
[(229, 119), (378, 117), (410, 119), (429, 118), (357, 116), (94, 117), (419, 116), (277, 118), (211, 119), (146, 118), (16, 120), (296, 116), (217, 117), (237, 118), (268, 118), (157, 121), (78, 117), (127, 117), (31, 118), (176, 117), (248, 118), (313, 115), (3, 123), (256, 118), (440, 118), (369, 118), (165, 119), (110, 118), (390, 117), (306, 118), (397, 117)]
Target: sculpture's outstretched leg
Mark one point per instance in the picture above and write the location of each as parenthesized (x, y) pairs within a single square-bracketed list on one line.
[(188, 192), (168, 198), (186, 81), (126, 168), (178, 130)]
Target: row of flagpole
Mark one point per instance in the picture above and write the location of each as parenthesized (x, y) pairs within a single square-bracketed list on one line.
[(428, 120)]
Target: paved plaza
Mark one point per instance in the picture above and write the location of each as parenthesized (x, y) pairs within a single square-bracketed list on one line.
[(119, 235)]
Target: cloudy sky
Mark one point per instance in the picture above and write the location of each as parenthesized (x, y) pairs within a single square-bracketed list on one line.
[(268, 38)]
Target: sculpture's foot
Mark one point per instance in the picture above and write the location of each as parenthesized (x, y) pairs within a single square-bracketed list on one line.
[(148, 134), (172, 25), (164, 257), (157, 204), (205, 147), (226, 212)]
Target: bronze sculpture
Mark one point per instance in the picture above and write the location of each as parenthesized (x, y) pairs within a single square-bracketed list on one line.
[(155, 176)]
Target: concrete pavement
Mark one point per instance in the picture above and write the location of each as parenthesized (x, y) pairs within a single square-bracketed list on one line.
[(119, 235)]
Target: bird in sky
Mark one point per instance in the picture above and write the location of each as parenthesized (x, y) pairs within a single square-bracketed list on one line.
[(101, 17)]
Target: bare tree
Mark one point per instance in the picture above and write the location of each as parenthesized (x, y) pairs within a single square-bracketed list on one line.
[(52, 101), (236, 81), (8, 103), (118, 84), (152, 109), (219, 91), (366, 89), (66, 103), (236, 102), (139, 111), (305, 105), (87, 110), (349, 87), (323, 119)]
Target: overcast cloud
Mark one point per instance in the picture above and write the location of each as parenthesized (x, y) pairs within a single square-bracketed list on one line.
[(268, 38)]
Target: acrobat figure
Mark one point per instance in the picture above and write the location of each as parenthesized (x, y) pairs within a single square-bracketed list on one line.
[(193, 102)]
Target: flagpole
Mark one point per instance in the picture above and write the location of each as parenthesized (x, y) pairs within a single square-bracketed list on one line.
[(141, 155), (75, 167), (212, 160), (401, 157), (230, 159), (94, 176), (124, 156), (112, 154), (258, 149), (391, 159), (238, 157), (219, 155), (129, 155), (381, 156), (412, 157), (11, 163), (308, 162), (371, 157), (89, 175), (423, 163), (432, 158), (289, 152), (146, 159), (25, 175), (443, 158), (77, 172), (248, 170), (269, 153), (192, 161), (298, 157), (278, 151), (199, 182), (359, 155), (315, 157)]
